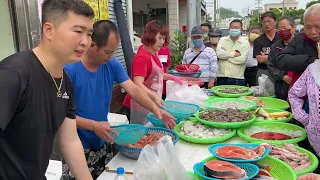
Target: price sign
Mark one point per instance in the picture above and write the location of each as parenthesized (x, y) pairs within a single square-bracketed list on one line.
[(94, 4), (104, 9)]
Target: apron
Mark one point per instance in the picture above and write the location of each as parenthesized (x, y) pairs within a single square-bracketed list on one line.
[(154, 82)]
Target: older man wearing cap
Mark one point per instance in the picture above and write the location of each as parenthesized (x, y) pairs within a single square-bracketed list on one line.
[(203, 56), (214, 36)]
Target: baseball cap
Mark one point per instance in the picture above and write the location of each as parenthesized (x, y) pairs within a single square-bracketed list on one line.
[(215, 32), (197, 31)]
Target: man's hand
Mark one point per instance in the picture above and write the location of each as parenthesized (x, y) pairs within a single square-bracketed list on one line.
[(165, 117), (237, 54), (309, 176), (102, 129), (211, 84), (287, 79)]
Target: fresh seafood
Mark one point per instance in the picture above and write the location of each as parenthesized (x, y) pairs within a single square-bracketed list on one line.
[(289, 154), (223, 170), (231, 105), (233, 90), (151, 138), (264, 173), (257, 129), (264, 115), (229, 115), (259, 102), (198, 130), (237, 152), (270, 136)]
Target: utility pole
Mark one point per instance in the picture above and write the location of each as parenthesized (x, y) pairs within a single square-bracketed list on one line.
[(258, 7), (215, 12), (283, 8)]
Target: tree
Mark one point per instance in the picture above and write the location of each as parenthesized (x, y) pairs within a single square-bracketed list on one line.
[(307, 6), (178, 47), (254, 21), (228, 13), (277, 12)]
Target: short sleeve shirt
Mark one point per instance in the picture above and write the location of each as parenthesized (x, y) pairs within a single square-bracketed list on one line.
[(93, 93), (30, 115)]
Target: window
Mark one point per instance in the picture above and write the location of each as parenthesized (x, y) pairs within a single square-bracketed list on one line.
[(290, 8), (295, 8)]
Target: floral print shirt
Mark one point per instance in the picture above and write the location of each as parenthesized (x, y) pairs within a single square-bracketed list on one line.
[(308, 85)]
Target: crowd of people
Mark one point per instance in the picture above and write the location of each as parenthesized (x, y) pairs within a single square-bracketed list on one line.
[(64, 85)]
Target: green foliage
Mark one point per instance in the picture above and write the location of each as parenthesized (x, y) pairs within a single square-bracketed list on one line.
[(295, 13), (307, 6), (228, 13), (277, 12), (312, 3), (254, 21), (178, 47)]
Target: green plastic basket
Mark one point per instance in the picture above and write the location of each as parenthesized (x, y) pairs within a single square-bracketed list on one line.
[(273, 125), (274, 103), (279, 170), (203, 140), (227, 95), (226, 125), (275, 110), (210, 102), (313, 159)]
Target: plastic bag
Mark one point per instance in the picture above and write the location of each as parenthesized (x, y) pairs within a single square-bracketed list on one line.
[(266, 87), (160, 162), (188, 94)]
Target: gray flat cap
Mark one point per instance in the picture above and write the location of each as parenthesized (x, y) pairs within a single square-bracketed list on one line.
[(197, 31)]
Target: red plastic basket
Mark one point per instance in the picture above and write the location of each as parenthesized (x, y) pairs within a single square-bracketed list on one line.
[(191, 81), (187, 68)]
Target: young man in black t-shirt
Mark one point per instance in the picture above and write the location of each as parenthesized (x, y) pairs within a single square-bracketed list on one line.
[(262, 45), (37, 96)]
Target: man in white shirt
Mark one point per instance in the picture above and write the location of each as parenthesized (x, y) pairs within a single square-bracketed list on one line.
[(232, 52)]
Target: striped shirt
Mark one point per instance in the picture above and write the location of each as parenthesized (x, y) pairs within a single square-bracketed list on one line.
[(207, 61)]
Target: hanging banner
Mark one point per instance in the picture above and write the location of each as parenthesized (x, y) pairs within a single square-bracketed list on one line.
[(94, 4), (104, 9)]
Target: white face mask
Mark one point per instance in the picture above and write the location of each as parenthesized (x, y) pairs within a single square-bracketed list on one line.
[(214, 40)]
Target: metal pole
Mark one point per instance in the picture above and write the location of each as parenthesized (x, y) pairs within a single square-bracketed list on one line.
[(130, 20), (283, 8), (198, 12), (215, 13)]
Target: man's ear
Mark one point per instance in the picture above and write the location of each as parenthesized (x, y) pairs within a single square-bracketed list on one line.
[(48, 30)]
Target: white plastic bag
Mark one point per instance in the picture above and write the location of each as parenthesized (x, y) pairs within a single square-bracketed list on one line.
[(160, 162), (188, 94), (266, 87)]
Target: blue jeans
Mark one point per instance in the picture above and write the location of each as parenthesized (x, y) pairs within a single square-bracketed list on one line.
[(230, 81)]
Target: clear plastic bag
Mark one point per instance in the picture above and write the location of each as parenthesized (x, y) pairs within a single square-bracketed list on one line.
[(188, 94), (266, 87), (160, 162)]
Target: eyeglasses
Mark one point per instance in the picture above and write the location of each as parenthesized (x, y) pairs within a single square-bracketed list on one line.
[(267, 22)]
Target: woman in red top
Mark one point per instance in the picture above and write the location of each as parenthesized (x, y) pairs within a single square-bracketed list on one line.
[(164, 56), (147, 70)]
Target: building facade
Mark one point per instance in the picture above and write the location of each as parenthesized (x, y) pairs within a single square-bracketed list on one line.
[(286, 4)]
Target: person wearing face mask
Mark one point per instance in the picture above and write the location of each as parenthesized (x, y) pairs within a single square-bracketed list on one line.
[(204, 56), (214, 36), (232, 52), (251, 71), (206, 27), (286, 30)]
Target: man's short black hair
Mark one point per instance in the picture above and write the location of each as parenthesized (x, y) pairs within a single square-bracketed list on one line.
[(57, 10), (236, 21), (208, 25), (102, 30), (269, 14)]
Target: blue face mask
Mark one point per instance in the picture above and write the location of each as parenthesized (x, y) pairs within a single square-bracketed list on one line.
[(234, 32), (197, 43)]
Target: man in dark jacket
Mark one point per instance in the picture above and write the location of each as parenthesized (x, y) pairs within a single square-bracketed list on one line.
[(286, 29), (304, 49)]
